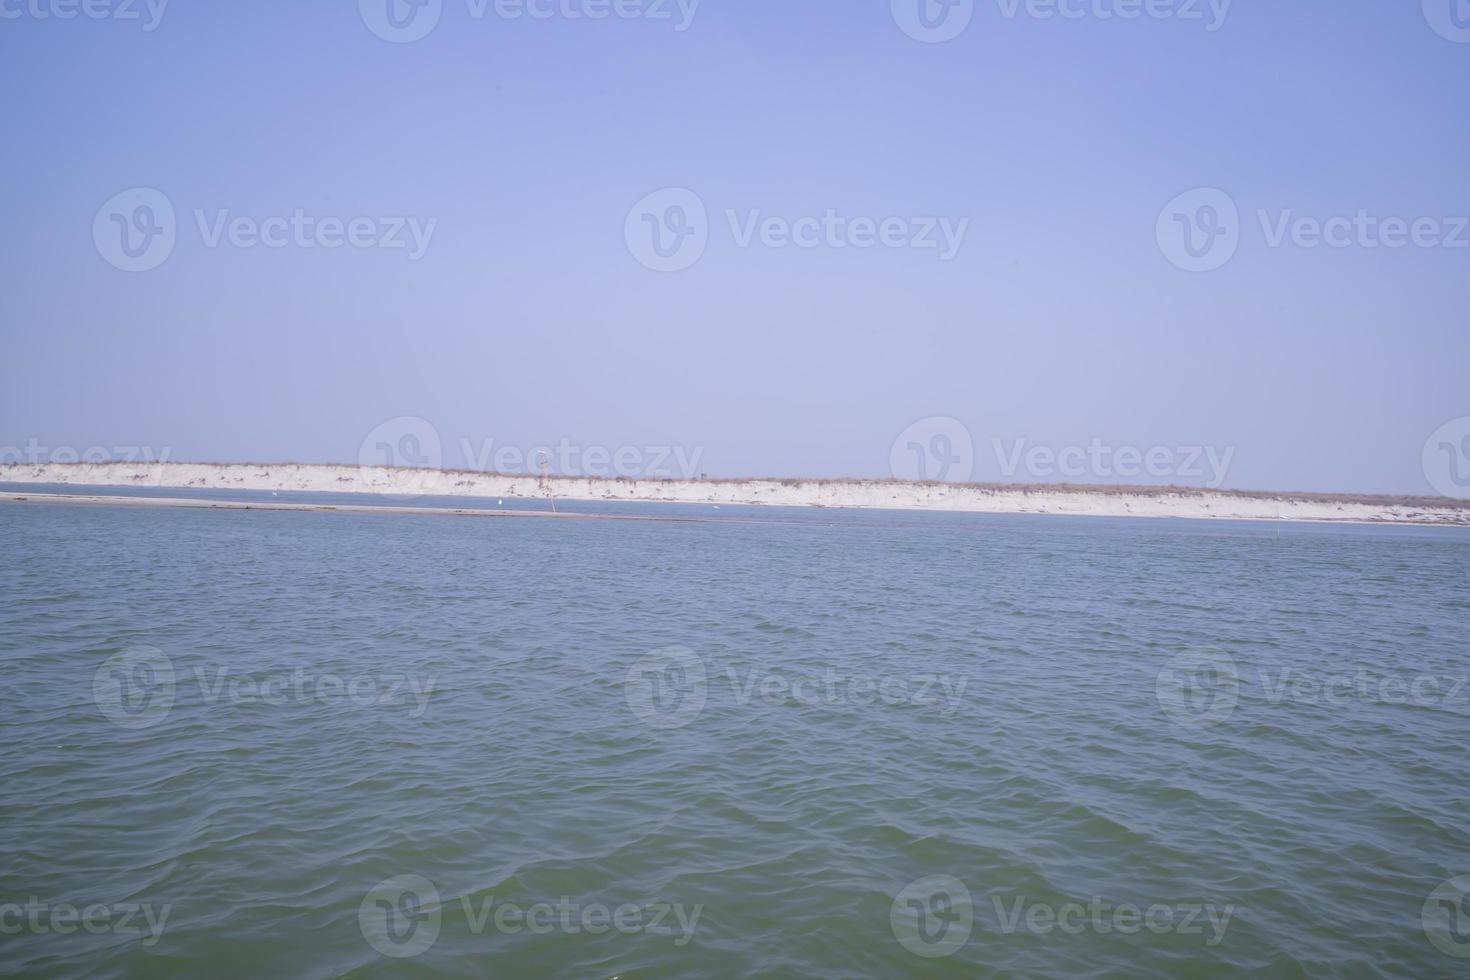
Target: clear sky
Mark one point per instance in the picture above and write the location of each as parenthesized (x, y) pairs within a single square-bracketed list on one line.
[(528, 311)]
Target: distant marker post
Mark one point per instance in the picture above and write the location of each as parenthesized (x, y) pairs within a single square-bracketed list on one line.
[(545, 459)]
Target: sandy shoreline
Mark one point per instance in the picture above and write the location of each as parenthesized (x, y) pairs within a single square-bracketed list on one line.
[(859, 494), (101, 500)]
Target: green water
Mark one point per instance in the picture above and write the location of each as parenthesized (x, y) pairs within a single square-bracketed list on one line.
[(830, 745)]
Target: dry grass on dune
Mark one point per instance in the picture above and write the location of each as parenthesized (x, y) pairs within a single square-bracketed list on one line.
[(1377, 500), (1373, 500)]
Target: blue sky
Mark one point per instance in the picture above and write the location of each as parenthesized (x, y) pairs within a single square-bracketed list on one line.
[(519, 148)]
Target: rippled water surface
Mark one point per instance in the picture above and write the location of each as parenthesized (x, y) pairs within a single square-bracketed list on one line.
[(823, 744)]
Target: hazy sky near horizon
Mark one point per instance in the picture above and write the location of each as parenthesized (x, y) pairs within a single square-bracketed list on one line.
[(1064, 270)]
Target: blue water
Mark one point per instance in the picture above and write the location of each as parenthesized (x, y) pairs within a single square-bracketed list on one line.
[(820, 743)]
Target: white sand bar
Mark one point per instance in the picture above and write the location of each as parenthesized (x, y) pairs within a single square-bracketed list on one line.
[(869, 494)]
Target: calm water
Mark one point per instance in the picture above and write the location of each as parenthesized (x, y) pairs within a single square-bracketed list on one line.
[(251, 744)]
